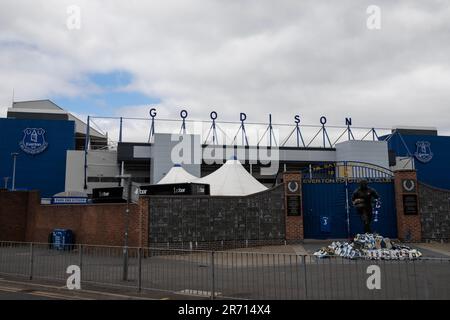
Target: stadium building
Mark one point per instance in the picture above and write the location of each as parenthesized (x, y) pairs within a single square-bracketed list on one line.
[(52, 154), (279, 182)]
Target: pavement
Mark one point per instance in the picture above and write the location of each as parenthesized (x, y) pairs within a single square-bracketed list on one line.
[(435, 248), (309, 246)]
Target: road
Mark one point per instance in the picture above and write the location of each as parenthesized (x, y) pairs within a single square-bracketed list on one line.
[(14, 289), (178, 274), (23, 291)]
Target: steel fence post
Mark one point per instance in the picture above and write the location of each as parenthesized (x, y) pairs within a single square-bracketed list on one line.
[(31, 262), (212, 276), (305, 277), (139, 269), (80, 260)]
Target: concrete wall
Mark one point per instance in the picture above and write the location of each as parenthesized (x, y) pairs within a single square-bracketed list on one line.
[(207, 219), (74, 171), (218, 154), (101, 164), (434, 206), (403, 163), (373, 152)]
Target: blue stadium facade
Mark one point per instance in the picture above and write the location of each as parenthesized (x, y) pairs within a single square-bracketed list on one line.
[(41, 147), (431, 154)]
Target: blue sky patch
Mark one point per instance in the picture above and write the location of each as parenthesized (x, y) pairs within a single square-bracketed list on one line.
[(113, 94)]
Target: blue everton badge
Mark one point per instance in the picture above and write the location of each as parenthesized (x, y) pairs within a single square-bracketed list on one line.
[(33, 141), (423, 152)]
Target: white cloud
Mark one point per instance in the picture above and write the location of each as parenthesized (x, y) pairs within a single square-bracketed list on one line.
[(283, 57)]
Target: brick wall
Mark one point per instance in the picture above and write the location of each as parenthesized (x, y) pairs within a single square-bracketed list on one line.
[(23, 218), (96, 224), (235, 221), (294, 224), (143, 221), (434, 207), (408, 226), (177, 219), (13, 215)]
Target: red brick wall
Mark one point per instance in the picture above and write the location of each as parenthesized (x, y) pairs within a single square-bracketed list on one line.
[(294, 224), (143, 221), (406, 224), (23, 218), (13, 215), (96, 224)]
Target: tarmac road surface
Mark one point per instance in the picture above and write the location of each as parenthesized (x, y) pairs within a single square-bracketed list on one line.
[(242, 275)]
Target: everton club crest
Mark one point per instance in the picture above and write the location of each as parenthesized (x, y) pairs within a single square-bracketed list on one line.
[(423, 152), (33, 141)]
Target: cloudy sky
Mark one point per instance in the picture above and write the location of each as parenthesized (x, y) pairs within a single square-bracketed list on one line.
[(287, 57)]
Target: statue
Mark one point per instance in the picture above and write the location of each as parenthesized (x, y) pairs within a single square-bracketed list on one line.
[(362, 199)]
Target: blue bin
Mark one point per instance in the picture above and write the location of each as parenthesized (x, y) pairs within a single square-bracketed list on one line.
[(62, 239)]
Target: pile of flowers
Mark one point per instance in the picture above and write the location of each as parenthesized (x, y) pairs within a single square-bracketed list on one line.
[(369, 246)]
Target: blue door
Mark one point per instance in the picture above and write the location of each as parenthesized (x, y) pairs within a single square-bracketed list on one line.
[(324, 203), (325, 210), (384, 219)]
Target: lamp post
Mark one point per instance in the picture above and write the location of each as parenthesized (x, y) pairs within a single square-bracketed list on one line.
[(6, 182), (14, 155), (126, 177)]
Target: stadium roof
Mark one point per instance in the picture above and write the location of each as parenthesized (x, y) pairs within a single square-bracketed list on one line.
[(46, 109)]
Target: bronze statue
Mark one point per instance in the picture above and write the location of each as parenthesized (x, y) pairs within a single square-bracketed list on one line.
[(362, 200)]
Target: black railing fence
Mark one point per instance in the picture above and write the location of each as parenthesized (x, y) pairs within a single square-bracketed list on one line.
[(233, 274)]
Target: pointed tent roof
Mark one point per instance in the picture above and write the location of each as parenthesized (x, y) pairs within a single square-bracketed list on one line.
[(177, 175), (231, 179)]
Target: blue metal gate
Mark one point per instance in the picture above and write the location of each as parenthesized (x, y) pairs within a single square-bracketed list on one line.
[(327, 192)]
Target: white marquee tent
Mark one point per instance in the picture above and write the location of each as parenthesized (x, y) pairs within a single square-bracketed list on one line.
[(177, 175), (231, 179)]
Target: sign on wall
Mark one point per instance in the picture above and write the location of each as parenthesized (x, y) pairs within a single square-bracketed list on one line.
[(293, 198), (69, 200), (409, 185), (293, 205), (410, 204), (33, 141)]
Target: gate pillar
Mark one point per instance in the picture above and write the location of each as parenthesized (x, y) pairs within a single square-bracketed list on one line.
[(293, 205), (406, 200)]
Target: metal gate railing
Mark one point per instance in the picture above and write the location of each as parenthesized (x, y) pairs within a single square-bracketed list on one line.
[(230, 274), (341, 178)]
